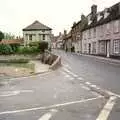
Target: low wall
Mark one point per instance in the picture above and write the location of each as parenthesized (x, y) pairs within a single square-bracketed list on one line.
[(50, 58)]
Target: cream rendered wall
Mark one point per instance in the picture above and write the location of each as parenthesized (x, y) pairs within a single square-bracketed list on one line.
[(37, 36)]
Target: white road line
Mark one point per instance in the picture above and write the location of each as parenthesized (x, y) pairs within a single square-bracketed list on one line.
[(48, 115), (13, 93), (107, 109), (88, 83), (50, 107), (94, 86), (73, 74)]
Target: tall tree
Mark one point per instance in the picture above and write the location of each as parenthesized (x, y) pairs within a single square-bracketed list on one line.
[(1, 35)]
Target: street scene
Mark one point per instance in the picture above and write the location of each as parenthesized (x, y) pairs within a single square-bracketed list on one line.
[(60, 60)]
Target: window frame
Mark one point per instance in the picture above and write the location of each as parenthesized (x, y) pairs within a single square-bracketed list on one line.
[(116, 46)]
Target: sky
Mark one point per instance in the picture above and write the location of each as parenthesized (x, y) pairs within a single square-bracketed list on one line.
[(57, 14)]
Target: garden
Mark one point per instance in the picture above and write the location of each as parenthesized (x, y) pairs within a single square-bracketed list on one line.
[(15, 60)]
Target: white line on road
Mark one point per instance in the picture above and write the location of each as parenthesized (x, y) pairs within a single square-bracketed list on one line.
[(48, 115), (13, 93), (50, 107), (107, 109), (88, 83), (73, 74)]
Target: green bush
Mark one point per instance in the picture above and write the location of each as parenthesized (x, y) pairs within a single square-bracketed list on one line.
[(28, 50), (5, 49), (15, 47), (43, 46)]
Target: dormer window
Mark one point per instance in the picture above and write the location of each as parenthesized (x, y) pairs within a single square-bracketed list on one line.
[(106, 13)]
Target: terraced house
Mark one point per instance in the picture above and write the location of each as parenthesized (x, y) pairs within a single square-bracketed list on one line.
[(102, 34), (36, 32)]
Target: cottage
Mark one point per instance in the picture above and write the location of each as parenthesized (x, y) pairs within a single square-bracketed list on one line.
[(102, 34), (36, 32)]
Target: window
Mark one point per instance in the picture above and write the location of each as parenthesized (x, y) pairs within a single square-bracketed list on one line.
[(116, 44), (43, 36), (94, 32), (94, 47), (108, 28), (101, 31), (89, 33), (30, 37), (116, 27), (102, 47)]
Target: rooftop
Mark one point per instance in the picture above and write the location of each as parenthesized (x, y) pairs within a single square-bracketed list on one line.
[(36, 26)]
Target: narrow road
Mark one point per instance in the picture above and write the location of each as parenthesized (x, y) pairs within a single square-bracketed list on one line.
[(64, 94), (98, 72)]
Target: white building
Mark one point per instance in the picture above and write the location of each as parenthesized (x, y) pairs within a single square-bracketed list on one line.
[(36, 32)]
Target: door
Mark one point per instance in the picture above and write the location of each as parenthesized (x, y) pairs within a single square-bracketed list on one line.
[(89, 48)]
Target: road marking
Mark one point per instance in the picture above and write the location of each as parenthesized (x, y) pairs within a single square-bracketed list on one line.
[(51, 106), (86, 88), (13, 93), (48, 115), (107, 109), (73, 74), (88, 83)]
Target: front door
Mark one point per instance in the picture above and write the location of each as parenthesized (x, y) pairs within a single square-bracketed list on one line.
[(89, 48)]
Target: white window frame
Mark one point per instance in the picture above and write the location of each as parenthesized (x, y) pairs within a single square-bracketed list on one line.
[(116, 46)]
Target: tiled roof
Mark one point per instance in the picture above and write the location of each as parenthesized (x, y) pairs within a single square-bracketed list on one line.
[(16, 41), (113, 13), (36, 26)]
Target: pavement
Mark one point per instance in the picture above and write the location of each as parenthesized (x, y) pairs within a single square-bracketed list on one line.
[(70, 93), (40, 67)]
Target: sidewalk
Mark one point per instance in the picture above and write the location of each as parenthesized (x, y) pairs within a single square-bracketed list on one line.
[(111, 60), (40, 67)]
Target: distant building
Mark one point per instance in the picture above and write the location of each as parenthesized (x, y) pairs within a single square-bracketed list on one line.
[(67, 42), (36, 32), (102, 34), (58, 41)]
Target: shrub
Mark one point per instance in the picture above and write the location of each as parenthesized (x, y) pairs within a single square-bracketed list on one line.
[(5, 49), (43, 46), (15, 47), (28, 50)]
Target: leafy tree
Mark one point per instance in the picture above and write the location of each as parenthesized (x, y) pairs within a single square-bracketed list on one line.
[(1, 35)]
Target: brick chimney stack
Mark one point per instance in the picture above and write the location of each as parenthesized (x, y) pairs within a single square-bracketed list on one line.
[(94, 9), (65, 32)]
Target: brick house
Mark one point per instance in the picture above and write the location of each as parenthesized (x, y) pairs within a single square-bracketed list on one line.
[(102, 34)]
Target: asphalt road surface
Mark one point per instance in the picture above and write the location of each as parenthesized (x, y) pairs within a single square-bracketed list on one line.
[(63, 94)]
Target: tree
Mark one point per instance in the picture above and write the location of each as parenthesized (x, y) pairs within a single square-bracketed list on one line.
[(1, 35)]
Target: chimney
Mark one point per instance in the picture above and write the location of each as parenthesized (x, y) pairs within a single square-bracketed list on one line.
[(94, 10), (65, 32)]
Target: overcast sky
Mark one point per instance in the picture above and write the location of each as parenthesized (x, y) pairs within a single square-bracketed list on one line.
[(57, 14)]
